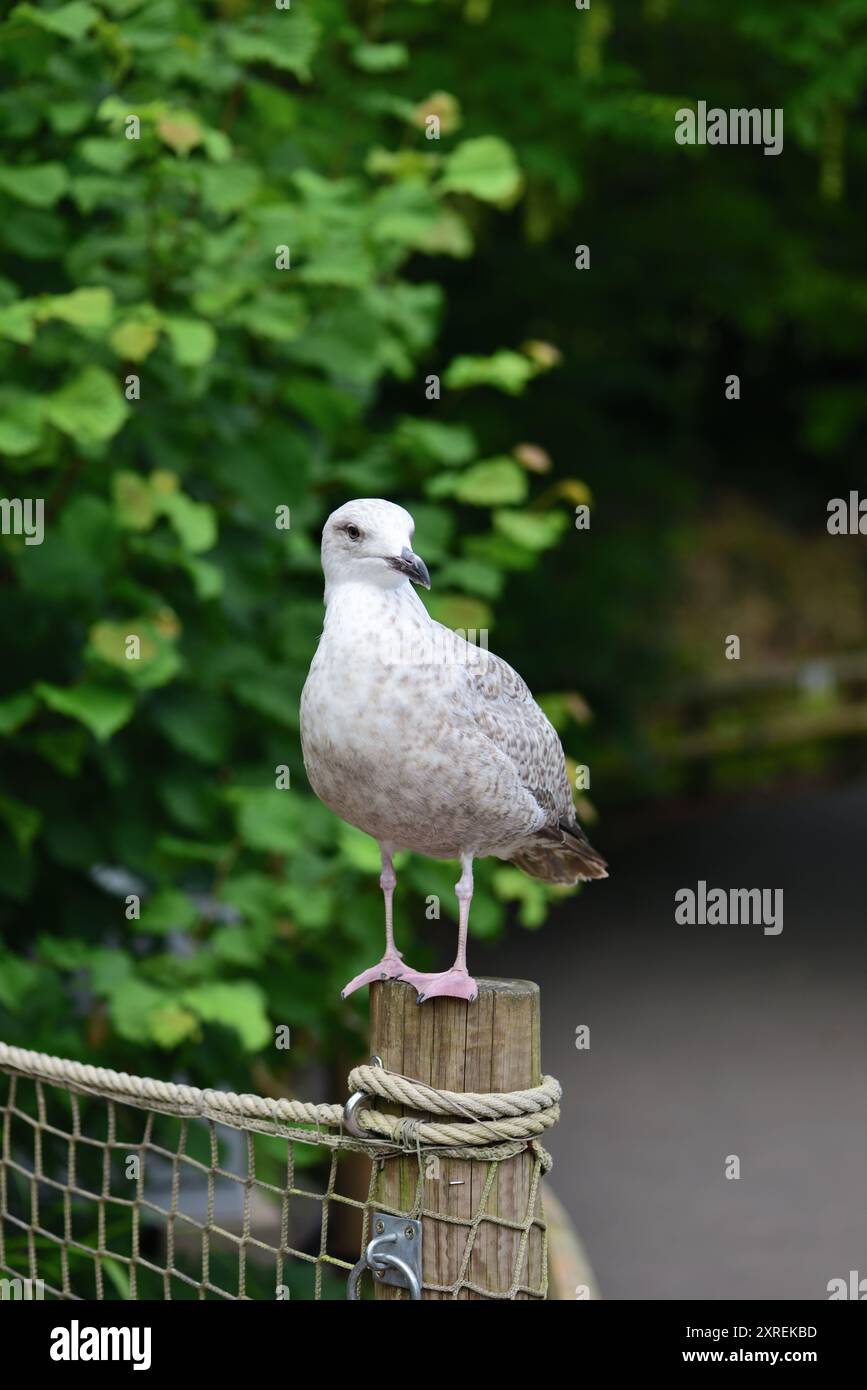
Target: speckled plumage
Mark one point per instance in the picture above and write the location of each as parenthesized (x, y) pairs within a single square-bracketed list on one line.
[(421, 739)]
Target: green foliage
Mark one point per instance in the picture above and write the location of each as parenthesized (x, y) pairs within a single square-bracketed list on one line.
[(169, 390)]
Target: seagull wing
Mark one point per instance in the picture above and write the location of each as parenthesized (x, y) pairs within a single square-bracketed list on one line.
[(504, 710)]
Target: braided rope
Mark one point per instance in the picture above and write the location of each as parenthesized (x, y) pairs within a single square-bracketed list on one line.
[(485, 1105), (495, 1126), (164, 1094), (491, 1117)]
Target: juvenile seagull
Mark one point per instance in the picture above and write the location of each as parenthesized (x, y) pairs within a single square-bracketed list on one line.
[(423, 740)]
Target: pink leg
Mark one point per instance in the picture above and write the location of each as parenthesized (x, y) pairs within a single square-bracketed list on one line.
[(391, 967), (454, 983)]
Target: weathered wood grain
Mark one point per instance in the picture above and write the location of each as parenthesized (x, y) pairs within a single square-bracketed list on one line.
[(492, 1044)]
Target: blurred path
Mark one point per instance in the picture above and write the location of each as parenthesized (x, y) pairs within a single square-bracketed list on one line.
[(708, 1041)]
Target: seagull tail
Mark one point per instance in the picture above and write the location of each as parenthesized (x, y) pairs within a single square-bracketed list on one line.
[(560, 854)]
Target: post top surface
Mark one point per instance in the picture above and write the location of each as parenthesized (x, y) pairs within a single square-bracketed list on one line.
[(514, 988), (489, 986)]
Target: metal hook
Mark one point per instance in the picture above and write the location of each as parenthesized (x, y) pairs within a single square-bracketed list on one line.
[(390, 1267), (357, 1102)]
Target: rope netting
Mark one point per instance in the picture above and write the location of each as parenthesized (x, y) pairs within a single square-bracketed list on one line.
[(115, 1186)]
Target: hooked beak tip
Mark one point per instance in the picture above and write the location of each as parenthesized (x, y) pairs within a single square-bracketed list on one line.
[(413, 566)]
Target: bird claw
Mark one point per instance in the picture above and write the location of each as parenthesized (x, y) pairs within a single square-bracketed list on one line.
[(391, 967), (451, 984)]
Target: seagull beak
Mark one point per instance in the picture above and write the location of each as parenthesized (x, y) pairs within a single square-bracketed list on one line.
[(413, 566)]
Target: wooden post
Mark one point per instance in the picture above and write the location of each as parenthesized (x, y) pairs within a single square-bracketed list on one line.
[(490, 1045)]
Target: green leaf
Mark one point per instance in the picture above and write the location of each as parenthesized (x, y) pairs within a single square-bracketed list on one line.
[(278, 318), (485, 168), (265, 691), (84, 308), (18, 978), (102, 709), (68, 117), (513, 886), (168, 910), (473, 576), (92, 191), (311, 907), (207, 578), (271, 819), (170, 1024), (195, 723), (109, 154), (35, 234), (433, 440), (64, 953), (109, 968), (37, 185), (197, 851), (380, 57), (507, 371), (218, 146), (228, 187), (136, 505), (18, 321), (237, 945), (157, 663), (188, 798), (193, 340), (91, 408), (62, 748), (21, 421), (492, 483), (534, 530), (494, 549), (194, 522), (70, 21), (15, 710), (135, 338), (131, 1006), (234, 1004), (286, 41), (448, 235), (257, 897), (358, 849), (23, 822)]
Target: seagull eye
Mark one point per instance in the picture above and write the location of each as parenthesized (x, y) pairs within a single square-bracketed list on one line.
[(353, 532)]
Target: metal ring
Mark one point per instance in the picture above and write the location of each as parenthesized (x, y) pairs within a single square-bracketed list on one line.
[(371, 1259), (393, 1262), (360, 1101), (354, 1280), (357, 1102)]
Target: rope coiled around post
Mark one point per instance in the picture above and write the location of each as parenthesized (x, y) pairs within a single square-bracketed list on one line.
[(475, 1125), (486, 1117)]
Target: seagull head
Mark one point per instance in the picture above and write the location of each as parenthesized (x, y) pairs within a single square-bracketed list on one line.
[(369, 541)]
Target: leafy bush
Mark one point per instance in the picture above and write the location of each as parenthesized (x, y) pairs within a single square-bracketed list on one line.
[(212, 219)]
